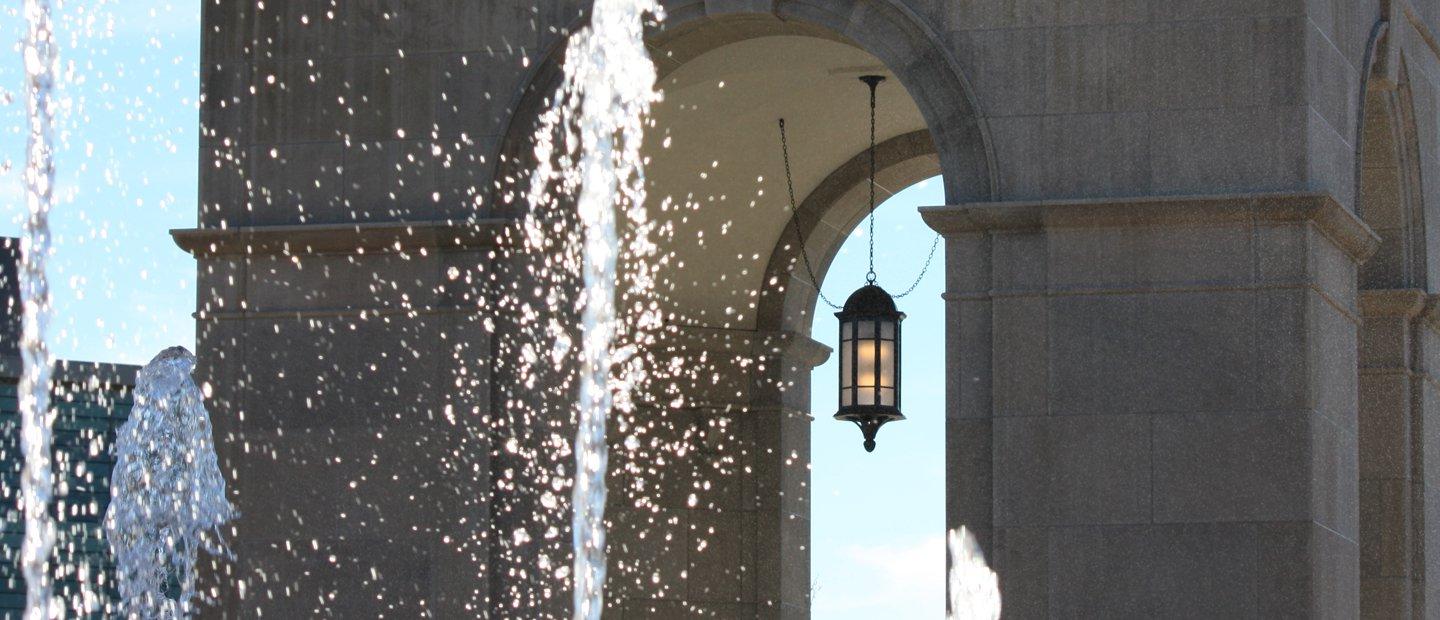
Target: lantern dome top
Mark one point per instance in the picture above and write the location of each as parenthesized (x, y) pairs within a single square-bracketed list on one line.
[(870, 300)]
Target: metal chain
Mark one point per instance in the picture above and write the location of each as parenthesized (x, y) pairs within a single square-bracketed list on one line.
[(933, 244), (870, 275), (795, 219)]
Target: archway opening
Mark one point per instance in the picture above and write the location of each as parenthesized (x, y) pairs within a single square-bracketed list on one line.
[(878, 519), (727, 519), (710, 508)]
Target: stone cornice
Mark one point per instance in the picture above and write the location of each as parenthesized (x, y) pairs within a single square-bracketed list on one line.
[(1394, 303), (357, 238), (1337, 223), (1431, 314)]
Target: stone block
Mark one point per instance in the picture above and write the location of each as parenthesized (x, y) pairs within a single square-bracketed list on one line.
[(647, 552), (1071, 470), (1332, 362), (1334, 479), (1227, 150), (1248, 466), (970, 353), (721, 556), (1157, 571), (226, 116), (1333, 272), (969, 475), (1007, 68), (1385, 442), (229, 31), (223, 195), (391, 180), (1082, 155), (1133, 258), (1282, 342), (476, 94), (968, 264), (1285, 586), (1386, 541), (294, 389), (1281, 256), (410, 484), (1330, 166), (1021, 357), (1021, 555), (391, 97), (1386, 597), (1029, 13), (501, 30), (1332, 82), (362, 577), (1384, 343), (300, 101), (1152, 352), (1020, 261), (299, 29), (1212, 9), (297, 184)]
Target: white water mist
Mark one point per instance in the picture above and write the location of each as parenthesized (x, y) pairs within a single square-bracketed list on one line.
[(599, 114), (37, 486), (167, 496), (973, 588)]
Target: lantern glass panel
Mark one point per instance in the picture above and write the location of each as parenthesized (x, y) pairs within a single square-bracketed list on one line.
[(847, 379), (887, 330), (867, 328), (867, 396), (887, 363), (867, 375), (887, 397)]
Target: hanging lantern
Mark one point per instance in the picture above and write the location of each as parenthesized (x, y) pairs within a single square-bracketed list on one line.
[(869, 322), (869, 361)]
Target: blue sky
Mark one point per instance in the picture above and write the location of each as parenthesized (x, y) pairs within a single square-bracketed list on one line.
[(127, 165), (878, 521)]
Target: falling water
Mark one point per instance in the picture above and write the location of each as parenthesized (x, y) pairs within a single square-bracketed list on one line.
[(974, 589), (608, 87), (167, 495), (36, 418)]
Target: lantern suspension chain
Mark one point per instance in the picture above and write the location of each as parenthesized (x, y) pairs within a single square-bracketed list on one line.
[(795, 218), (923, 269), (874, 82)]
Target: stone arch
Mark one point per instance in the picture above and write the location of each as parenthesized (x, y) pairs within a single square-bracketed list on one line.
[(1388, 189), (1397, 310), (769, 408), (956, 147), (825, 219), (885, 28)]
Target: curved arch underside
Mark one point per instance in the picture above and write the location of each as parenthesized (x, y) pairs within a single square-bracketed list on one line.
[(720, 159)]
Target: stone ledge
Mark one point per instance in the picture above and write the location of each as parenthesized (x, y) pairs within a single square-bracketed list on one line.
[(358, 238), (1333, 220), (1397, 303)]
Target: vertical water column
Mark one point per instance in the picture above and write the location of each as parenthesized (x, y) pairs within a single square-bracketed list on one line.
[(36, 419)]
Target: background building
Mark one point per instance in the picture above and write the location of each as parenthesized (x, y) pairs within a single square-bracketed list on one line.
[(91, 401)]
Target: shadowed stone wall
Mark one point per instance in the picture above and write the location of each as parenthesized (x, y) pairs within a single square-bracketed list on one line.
[(1153, 403)]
